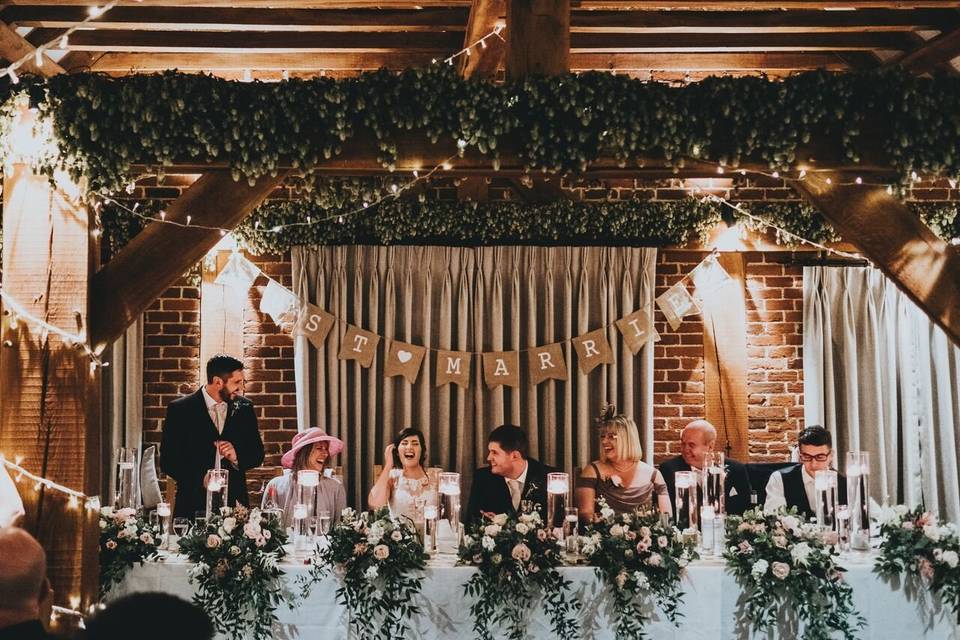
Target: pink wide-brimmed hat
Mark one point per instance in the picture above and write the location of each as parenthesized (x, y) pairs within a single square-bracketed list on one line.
[(308, 438)]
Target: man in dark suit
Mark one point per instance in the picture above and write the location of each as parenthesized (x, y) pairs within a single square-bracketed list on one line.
[(510, 478), (216, 418), (696, 441), (796, 486), (25, 593)]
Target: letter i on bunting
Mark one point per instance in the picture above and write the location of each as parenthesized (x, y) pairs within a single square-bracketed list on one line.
[(359, 345), (676, 302), (315, 324), (403, 359), (453, 366), (546, 362), (501, 367), (637, 330), (592, 349)]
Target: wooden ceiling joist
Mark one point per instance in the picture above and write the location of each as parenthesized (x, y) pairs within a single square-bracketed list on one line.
[(13, 47), (486, 59), (934, 54)]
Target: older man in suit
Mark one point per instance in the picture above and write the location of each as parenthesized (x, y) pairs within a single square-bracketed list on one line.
[(215, 419), (696, 440), (510, 478), (25, 595)]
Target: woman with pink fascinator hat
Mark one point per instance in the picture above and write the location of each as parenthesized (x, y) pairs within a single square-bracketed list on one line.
[(310, 450)]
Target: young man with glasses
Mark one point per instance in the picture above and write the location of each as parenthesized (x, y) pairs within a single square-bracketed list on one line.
[(795, 486)]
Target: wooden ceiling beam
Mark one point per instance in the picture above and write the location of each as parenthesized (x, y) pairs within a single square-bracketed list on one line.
[(538, 38), (13, 47), (932, 55), (922, 265), (484, 60)]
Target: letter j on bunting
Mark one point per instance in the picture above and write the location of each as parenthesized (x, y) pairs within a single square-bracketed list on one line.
[(453, 366), (403, 359), (315, 324), (546, 362), (593, 349), (501, 367), (637, 330), (359, 345), (676, 303)]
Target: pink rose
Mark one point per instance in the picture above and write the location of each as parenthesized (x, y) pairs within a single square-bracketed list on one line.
[(662, 542), (926, 568), (541, 535), (621, 579), (630, 535), (745, 547), (111, 545), (533, 568), (654, 560), (396, 536), (381, 552), (359, 549), (146, 538), (521, 552), (213, 541), (780, 570)]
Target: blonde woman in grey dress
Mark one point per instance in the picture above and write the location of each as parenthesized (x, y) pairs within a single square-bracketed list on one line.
[(620, 477)]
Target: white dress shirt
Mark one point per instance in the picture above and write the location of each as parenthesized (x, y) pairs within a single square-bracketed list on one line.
[(515, 486), (776, 499)]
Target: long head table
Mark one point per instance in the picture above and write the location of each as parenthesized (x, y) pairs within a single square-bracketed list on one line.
[(709, 610)]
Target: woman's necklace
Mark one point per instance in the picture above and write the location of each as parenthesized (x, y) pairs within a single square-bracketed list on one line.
[(629, 465)]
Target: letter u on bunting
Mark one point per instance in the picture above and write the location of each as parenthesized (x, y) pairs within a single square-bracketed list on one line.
[(281, 304), (453, 366), (592, 349), (403, 359), (546, 362), (314, 323), (637, 330), (359, 345), (501, 367)]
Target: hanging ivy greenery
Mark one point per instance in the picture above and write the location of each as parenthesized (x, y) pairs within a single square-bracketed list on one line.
[(558, 124), (400, 221)]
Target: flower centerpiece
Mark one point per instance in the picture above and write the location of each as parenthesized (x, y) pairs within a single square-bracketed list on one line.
[(516, 561), (125, 540), (783, 563), (638, 556), (380, 561), (236, 570), (915, 543)]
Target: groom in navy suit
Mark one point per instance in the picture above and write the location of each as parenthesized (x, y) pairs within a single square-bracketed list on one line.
[(510, 478), (216, 418)]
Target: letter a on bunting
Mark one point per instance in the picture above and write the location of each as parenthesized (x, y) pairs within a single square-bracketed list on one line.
[(501, 367), (359, 345), (453, 366)]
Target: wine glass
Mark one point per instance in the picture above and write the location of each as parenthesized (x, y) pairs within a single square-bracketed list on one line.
[(180, 526), (323, 522)]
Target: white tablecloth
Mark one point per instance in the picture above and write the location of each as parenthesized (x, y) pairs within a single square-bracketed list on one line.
[(709, 608)]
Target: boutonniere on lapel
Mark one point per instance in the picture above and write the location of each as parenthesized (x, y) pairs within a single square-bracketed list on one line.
[(237, 404), (531, 488)]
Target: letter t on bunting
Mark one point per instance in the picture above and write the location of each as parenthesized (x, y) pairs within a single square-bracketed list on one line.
[(501, 367), (592, 349), (546, 362), (403, 359), (359, 345), (314, 323), (453, 366), (637, 330)]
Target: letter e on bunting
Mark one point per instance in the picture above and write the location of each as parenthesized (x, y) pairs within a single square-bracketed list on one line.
[(637, 330), (403, 359), (676, 302), (501, 367), (281, 304), (592, 349), (314, 323), (546, 362), (453, 366), (359, 345)]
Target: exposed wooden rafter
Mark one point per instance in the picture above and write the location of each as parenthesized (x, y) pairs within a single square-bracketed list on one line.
[(13, 47), (484, 60), (933, 55)]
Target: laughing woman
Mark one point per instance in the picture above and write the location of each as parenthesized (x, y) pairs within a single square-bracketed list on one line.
[(404, 484)]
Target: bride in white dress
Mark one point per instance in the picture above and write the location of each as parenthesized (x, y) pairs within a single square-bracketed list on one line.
[(404, 484)]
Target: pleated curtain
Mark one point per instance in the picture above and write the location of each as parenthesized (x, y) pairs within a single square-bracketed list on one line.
[(883, 378), (475, 300)]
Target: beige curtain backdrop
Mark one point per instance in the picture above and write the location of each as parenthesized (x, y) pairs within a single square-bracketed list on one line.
[(883, 378), (471, 299)]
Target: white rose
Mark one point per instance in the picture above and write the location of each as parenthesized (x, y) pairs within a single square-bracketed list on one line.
[(500, 519), (759, 568), (107, 511), (932, 531), (487, 543), (606, 512), (781, 570), (381, 552), (790, 523), (396, 536), (951, 558), (491, 530), (229, 524), (800, 553), (616, 531), (251, 530), (522, 529), (371, 572), (234, 550), (103, 525), (654, 560), (641, 580)]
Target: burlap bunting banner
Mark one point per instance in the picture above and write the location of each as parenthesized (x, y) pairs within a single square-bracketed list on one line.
[(546, 362), (676, 303), (404, 359), (359, 345), (314, 323), (637, 330), (281, 304), (593, 349), (501, 368), (453, 366)]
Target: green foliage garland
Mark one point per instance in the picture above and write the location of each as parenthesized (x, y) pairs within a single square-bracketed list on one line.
[(557, 124)]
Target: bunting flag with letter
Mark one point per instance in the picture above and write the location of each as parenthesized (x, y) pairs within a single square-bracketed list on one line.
[(359, 345), (708, 276), (593, 349), (453, 366), (501, 368), (404, 359), (546, 362), (238, 272), (314, 323), (676, 303), (281, 304), (637, 330)]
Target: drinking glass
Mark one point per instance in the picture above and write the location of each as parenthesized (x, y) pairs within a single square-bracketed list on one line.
[(323, 522), (180, 526), (571, 540)]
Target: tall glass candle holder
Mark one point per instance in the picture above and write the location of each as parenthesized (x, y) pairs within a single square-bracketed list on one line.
[(825, 485), (858, 499), (164, 513), (714, 477), (307, 483), (558, 499), (449, 491), (686, 499), (217, 481), (430, 528), (708, 529), (128, 485)]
